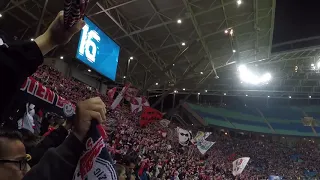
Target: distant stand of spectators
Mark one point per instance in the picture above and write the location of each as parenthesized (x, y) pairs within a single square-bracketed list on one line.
[(146, 153)]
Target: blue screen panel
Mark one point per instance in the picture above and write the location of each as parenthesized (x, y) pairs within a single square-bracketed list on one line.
[(97, 50)]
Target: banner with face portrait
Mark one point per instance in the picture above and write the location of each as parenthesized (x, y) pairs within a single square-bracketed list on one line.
[(184, 136), (239, 165)]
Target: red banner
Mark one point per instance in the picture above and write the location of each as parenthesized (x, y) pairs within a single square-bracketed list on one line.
[(149, 115)]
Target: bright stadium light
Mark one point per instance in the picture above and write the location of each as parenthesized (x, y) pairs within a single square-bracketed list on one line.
[(124, 77), (239, 2), (318, 65), (205, 90), (201, 72), (61, 57), (183, 44), (179, 21), (89, 70), (248, 77), (175, 91), (234, 51), (184, 89), (268, 96), (224, 94), (226, 31), (198, 93), (312, 65), (247, 95), (289, 97), (0, 15), (309, 97), (157, 84), (131, 57), (31, 39)]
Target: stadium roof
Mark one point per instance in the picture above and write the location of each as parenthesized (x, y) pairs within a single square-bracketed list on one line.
[(148, 30)]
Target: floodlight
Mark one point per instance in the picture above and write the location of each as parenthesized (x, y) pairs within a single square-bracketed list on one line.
[(184, 89), (61, 57), (226, 31), (131, 58), (89, 70), (157, 84), (183, 43), (179, 21), (239, 2), (201, 72), (206, 90), (198, 93), (124, 77), (224, 94), (234, 51), (289, 97)]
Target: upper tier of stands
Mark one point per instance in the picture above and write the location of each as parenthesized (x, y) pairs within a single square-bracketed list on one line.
[(270, 120)]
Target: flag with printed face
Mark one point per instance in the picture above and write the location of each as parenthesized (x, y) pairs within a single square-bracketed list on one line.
[(204, 145), (239, 165), (120, 96), (184, 136), (95, 162)]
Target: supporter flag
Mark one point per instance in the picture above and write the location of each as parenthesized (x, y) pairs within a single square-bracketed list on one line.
[(200, 135), (239, 165), (164, 122), (184, 136), (95, 162), (149, 115), (111, 93), (131, 93), (120, 96), (204, 145), (272, 177), (35, 93), (137, 104)]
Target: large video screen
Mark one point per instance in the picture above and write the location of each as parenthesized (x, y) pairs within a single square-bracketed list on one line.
[(98, 50)]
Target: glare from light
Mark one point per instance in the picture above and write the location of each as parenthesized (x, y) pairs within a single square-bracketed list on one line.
[(179, 21), (184, 89), (234, 51), (268, 96), (183, 43), (31, 39), (231, 32), (157, 84), (131, 58), (0, 15), (198, 93), (289, 97), (224, 94), (205, 90), (318, 65), (89, 70), (175, 91), (312, 65), (124, 77), (248, 77), (201, 72), (172, 64), (225, 133), (61, 57), (239, 2), (309, 97), (226, 31), (246, 94)]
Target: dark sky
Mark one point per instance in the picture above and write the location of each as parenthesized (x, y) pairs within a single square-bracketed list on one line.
[(296, 19)]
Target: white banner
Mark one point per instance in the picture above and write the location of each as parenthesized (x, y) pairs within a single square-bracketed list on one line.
[(120, 96), (184, 136), (137, 104), (204, 145), (239, 165)]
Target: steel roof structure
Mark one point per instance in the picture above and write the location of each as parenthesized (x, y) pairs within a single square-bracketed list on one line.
[(148, 31)]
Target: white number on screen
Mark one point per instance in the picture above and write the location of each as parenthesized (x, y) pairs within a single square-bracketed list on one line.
[(87, 44)]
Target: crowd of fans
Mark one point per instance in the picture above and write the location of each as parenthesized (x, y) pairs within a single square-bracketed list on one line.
[(154, 151)]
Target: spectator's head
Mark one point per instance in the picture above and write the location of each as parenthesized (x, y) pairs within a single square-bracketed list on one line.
[(13, 161), (121, 172)]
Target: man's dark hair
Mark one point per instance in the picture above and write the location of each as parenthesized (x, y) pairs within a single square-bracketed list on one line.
[(8, 134)]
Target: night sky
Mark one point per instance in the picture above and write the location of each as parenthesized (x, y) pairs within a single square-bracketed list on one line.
[(296, 19)]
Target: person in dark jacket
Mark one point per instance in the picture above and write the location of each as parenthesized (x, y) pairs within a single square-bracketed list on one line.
[(17, 62)]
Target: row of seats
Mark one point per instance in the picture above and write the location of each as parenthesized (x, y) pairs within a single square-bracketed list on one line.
[(276, 120)]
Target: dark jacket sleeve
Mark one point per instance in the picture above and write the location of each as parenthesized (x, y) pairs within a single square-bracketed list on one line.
[(54, 139), (58, 163), (17, 62)]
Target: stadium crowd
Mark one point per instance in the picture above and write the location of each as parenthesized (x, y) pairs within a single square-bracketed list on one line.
[(151, 152), (154, 151)]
